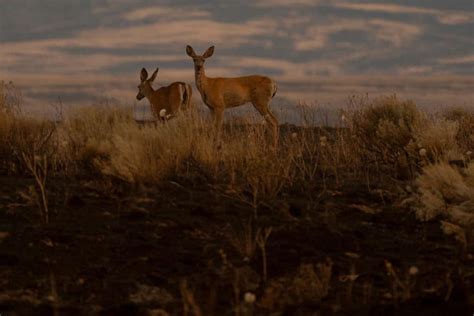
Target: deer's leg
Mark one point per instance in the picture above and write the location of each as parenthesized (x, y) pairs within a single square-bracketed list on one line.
[(211, 119), (263, 108), (218, 120), (189, 94)]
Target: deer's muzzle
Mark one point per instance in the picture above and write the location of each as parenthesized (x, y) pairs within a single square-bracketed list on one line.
[(140, 96)]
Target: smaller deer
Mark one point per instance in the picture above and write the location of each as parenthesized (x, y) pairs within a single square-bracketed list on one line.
[(221, 93), (165, 102)]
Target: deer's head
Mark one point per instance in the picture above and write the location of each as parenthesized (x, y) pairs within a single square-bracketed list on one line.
[(145, 87), (199, 59)]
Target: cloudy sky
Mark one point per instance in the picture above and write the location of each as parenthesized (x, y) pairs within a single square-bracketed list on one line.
[(318, 51)]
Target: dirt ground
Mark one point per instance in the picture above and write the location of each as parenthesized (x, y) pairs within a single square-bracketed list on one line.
[(171, 248)]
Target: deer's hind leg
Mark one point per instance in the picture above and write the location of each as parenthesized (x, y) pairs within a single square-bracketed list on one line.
[(187, 95), (262, 106)]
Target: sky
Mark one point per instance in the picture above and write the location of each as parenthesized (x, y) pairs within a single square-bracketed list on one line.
[(318, 52)]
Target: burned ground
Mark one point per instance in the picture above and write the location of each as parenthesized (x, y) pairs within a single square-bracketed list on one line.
[(98, 252)]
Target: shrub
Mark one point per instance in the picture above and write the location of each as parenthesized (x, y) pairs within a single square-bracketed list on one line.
[(435, 141), (150, 154), (446, 192), (85, 136), (465, 132), (383, 128), (6, 122), (10, 100)]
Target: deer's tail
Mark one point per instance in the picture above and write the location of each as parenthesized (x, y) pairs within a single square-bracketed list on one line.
[(187, 94), (275, 88)]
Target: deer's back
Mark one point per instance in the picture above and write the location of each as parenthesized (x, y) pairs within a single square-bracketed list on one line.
[(239, 90)]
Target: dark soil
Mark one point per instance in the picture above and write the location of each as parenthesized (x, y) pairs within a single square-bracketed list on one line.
[(134, 251)]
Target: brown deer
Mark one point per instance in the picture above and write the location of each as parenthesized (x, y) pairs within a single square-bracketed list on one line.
[(165, 102), (221, 93)]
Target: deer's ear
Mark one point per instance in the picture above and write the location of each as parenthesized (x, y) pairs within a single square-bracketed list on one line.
[(190, 51), (209, 52), (143, 74), (153, 76)]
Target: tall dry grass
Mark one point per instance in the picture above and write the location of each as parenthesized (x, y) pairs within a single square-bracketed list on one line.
[(5, 128), (465, 120), (85, 136), (384, 138)]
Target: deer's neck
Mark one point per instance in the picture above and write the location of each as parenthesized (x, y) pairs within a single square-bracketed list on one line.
[(201, 79), (150, 94)]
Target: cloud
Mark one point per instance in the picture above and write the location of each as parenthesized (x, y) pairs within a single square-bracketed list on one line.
[(169, 13), (44, 56), (414, 70), (286, 3), (384, 7), (285, 70), (444, 17), (395, 33), (468, 59), (433, 92), (98, 44), (437, 90), (179, 33), (389, 32), (448, 17), (313, 49)]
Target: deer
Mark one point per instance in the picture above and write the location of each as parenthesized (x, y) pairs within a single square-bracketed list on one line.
[(221, 93), (166, 101)]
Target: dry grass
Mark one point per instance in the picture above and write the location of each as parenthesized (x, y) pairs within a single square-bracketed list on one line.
[(465, 120), (309, 284), (29, 148), (385, 139), (85, 137), (5, 128), (382, 139)]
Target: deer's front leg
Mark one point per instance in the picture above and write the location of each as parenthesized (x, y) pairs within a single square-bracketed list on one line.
[(218, 113), (218, 117)]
